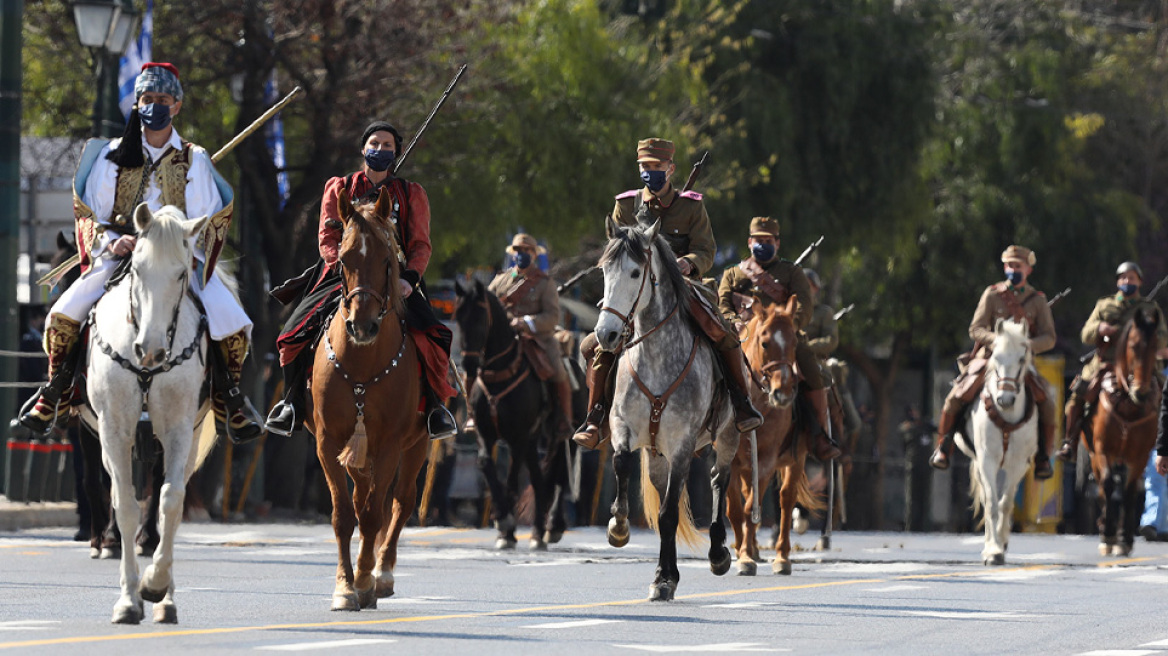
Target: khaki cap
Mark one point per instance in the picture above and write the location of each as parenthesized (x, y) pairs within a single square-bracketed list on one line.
[(764, 225), (1019, 253), (524, 239), (654, 150)]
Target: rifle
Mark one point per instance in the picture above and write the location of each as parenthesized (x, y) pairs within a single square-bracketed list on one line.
[(571, 282), (445, 94), (842, 313), (695, 172), (1058, 297), (1150, 297), (51, 278), (810, 249)]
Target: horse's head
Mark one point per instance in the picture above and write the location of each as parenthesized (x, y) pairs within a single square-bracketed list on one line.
[(1135, 361), (1009, 361), (160, 270), (770, 349), (635, 260), (368, 263), (472, 313)]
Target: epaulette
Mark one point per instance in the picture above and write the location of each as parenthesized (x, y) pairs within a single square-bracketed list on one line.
[(628, 194), (692, 195), (998, 287)]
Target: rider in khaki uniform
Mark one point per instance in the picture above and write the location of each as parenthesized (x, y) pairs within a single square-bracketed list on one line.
[(1110, 314), (821, 331), (1012, 298), (773, 280), (686, 227), (530, 298)]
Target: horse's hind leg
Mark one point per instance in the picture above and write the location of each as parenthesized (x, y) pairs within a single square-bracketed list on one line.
[(1133, 507), (792, 477), (370, 502), (623, 462), (94, 480), (146, 541), (725, 449), (501, 503), (736, 513), (556, 482), (540, 493), (1112, 503), (403, 500)]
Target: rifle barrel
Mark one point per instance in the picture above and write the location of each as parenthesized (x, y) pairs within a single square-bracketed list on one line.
[(445, 94)]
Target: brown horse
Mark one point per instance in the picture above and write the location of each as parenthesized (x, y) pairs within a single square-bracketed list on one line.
[(1124, 430), (365, 396), (770, 348)]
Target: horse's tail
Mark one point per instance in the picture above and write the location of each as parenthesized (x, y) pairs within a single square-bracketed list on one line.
[(205, 434), (687, 532), (805, 496), (975, 488)]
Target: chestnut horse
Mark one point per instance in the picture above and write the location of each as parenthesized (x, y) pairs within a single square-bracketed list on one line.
[(770, 348), (1124, 430), (366, 389)]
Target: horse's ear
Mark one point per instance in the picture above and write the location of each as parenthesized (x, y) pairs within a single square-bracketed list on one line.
[(384, 204), (792, 301), (651, 233), (192, 227), (1025, 329), (344, 205), (63, 243), (998, 325), (142, 218), (458, 288), (610, 226)]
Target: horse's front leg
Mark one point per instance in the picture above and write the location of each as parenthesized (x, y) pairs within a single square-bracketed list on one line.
[(370, 504), (1133, 507), (344, 520), (737, 499), (540, 493), (668, 576), (992, 553), (1111, 497), (158, 582), (623, 463), (501, 504), (725, 449), (117, 456)]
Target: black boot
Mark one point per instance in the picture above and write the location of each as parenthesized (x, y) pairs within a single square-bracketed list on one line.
[(240, 418), (746, 416), (439, 421), (63, 342), (288, 415)]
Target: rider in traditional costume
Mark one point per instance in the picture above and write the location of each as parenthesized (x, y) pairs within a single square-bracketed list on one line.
[(772, 279), (318, 290), (686, 226), (149, 164), (1111, 313), (533, 306), (1011, 298)]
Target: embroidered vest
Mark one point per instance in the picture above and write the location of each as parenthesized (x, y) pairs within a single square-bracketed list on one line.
[(169, 174)]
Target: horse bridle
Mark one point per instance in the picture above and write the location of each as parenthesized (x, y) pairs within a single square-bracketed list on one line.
[(627, 327), (173, 327), (348, 295)]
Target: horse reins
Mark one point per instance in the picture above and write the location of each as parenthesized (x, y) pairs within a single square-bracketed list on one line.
[(995, 415), (383, 299), (510, 373)]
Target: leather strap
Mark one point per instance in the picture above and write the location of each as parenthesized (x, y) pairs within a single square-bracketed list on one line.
[(764, 281), (520, 292), (658, 403), (1006, 427)]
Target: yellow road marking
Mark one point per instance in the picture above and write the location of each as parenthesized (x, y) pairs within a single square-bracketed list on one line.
[(492, 613), (1128, 561)]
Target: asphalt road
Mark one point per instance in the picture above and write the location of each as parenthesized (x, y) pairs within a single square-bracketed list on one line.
[(264, 588)]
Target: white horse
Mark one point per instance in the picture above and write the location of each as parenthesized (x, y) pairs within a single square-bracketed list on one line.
[(1005, 436), (664, 400), (147, 353)]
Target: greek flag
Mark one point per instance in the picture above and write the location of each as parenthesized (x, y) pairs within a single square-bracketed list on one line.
[(137, 54)]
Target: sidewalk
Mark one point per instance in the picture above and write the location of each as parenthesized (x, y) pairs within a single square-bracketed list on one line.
[(16, 515)]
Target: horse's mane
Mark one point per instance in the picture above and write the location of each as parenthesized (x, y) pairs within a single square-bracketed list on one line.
[(629, 242), (364, 217), (1146, 322), (165, 238)]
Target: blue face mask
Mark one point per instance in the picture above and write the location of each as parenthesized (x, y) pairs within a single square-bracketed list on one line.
[(763, 252), (654, 180), (1129, 289), (155, 116), (380, 160), (523, 259), (1014, 276)]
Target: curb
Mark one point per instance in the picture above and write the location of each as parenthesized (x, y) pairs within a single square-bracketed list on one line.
[(15, 516)]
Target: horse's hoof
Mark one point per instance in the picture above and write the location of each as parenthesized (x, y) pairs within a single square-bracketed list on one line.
[(165, 614), (722, 564), (504, 544), (995, 560), (367, 598), (1122, 549), (131, 614), (781, 567), (747, 567), (346, 601), (552, 537), (662, 591), (111, 553), (824, 544), (799, 523), (94, 553), (384, 584), (1104, 549), (537, 544), (618, 533), (153, 596), (145, 550)]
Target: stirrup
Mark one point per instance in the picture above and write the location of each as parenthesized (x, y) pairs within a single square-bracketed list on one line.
[(253, 426), (282, 419), (939, 460), (1042, 472), (440, 423), (30, 421), (589, 436)]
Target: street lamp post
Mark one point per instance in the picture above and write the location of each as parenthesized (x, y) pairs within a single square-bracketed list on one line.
[(106, 27)]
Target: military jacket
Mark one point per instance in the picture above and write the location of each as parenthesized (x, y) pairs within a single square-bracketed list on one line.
[(1117, 310), (821, 332), (787, 274), (537, 300), (684, 222), (992, 307)]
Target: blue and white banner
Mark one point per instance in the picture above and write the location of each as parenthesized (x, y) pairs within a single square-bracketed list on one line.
[(137, 54), (274, 134)]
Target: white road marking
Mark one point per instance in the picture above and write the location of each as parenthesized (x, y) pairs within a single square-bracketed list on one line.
[(330, 644), (971, 614), (726, 647), (1120, 652), (973, 540), (1158, 643), (412, 600), (1046, 555), (878, 568), (1022, 575), (1147, 578), (744, 604), (28, 625), (569, 625), (896, 588)]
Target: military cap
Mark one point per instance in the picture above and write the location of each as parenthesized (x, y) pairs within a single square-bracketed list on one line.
[(524, 239), (654, 150), (764, 225), (813, 277), (1019, 253), (158, 77), (1129, 266)]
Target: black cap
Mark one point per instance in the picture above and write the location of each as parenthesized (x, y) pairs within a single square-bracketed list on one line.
[(378, 126)]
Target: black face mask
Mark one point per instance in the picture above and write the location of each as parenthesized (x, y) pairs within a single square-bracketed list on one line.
[(155, 116)]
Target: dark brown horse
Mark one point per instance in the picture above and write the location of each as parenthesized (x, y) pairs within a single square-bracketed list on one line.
[(770, 348), (1124, 430), (366, 390)]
